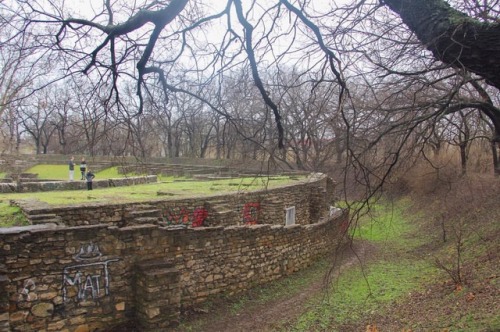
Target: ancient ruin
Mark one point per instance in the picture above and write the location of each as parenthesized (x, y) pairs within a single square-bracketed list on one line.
[(94, 266)]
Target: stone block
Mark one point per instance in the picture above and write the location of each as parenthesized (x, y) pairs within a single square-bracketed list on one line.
[(78, 320), (18, 316), (82, 328), (44, 309), (4, 316), (56, 326), (152, 312), (120, 306)]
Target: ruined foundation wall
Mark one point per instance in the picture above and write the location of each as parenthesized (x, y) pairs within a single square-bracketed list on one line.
[(41, 186), (310, 198), (59, 278), (96, 276)]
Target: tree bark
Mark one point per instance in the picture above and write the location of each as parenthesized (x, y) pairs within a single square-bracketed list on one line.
[(496, 161), (453, 37)]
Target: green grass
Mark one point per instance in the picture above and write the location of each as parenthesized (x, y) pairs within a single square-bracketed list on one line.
[(11, 215), (387, 225), (112, 173), (61, 172), (149, 191), (360, 291), (52, 172)]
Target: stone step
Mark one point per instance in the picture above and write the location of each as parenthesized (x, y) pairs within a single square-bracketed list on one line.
[(57, 220), (144, 220), (142, 207), (145, 213), (170, 226), (41, 216)]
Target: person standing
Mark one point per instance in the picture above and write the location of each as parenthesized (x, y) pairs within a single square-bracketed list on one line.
[(83, 168), (71, 168), (89, 176)]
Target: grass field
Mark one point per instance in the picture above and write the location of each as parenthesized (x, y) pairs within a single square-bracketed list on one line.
[(179, 187), (168, 186), (61, 172)]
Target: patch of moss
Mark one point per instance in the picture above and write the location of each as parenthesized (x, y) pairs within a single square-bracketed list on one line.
[(11, 216)]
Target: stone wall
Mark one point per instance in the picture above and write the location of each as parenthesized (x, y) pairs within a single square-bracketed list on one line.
[(20, 163), (37, 186), (310, 198), (84, 278)]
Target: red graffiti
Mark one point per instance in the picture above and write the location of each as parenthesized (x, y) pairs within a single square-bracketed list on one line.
[(251, 213), (200, 214), (194, 218)]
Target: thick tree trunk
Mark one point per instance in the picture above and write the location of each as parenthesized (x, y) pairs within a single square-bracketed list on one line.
[(496, 162), (452, 36), (455, 39), (463, 157)]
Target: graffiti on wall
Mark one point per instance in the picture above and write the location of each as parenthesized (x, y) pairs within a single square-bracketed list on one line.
[(28, 292), (90, 278), (195, 217), (251, 213), (185, 216)]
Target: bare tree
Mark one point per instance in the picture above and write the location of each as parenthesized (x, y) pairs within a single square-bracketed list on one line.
[(176, 44), (20, 67), (38, 121), (457, 39)]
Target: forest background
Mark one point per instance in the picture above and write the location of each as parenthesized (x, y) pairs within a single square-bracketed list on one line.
[(398, 97)]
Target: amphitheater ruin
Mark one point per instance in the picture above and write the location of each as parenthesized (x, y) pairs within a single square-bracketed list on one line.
[(93, 266)]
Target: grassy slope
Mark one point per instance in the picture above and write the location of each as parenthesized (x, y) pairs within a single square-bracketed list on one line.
[(364, 290), (403, 287), (399, 288)]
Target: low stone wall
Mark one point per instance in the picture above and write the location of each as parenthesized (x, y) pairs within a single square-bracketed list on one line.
[(106, 264), (93, 277), (310, 198), (37, 186)]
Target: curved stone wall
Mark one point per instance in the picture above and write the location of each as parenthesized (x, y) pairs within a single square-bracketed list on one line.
[(83, 278), (311, 199), (40, 186)]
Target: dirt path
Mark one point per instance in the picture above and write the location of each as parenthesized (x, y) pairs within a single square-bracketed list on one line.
[(273, 314)]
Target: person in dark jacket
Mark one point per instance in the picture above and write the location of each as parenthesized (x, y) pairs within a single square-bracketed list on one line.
[(83, 168), (89, 176)]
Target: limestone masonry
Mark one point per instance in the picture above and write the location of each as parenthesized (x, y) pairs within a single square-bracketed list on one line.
[(84, 268)]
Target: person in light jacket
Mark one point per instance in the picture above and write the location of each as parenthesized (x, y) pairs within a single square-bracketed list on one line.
[(71, 165)]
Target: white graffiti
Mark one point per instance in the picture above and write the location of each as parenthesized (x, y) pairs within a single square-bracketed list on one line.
[(87, 280), (88, 251), (28, 292)]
